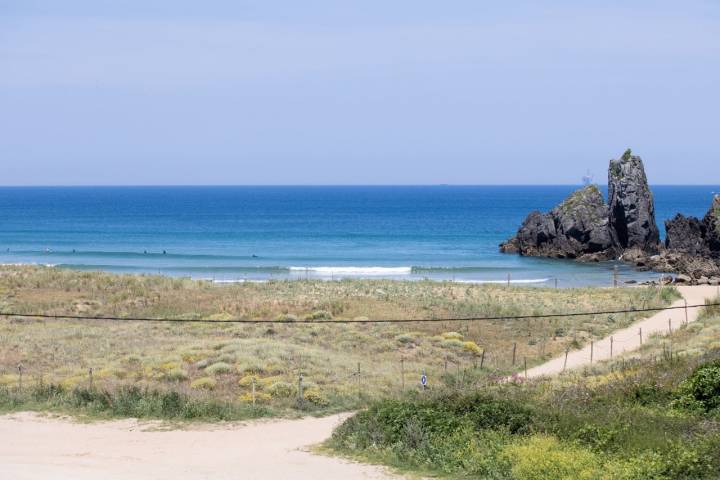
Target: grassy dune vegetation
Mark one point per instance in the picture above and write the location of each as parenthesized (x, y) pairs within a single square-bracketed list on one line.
[(199, 370), (653, 416)]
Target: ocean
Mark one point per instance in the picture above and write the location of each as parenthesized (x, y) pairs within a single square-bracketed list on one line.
[(229, 234)]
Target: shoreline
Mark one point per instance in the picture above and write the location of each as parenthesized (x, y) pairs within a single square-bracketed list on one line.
[(594, 275)]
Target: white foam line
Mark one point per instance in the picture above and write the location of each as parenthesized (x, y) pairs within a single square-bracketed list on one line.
[(354, 270), (526, 281)]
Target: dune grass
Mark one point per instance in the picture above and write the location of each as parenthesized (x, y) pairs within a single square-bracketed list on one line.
[(217, 362)]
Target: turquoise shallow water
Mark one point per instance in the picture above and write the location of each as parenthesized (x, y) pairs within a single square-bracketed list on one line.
[(258, 233)]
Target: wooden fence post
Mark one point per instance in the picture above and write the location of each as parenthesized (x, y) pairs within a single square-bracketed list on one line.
[(402, 372), (615, 276), (566, 355), (301, 398), (592, 350), (514, 350), (482, 359), (253, 390), (640, 333)]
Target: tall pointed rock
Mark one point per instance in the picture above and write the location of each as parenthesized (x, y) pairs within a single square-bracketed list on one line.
[(632, 210)]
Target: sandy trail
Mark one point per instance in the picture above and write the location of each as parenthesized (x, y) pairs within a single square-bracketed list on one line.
[(629, 338), (36, 447)]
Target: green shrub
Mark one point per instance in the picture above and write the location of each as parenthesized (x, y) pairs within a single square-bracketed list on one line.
[(219, 368), (701, 390), (545, 458), (247, 381), (226, 358), (452, 336), (177, 375), (204, 383), (319, 315), (260, 397), (452, 343), (315, 397), (281, 390), (472, 347), (251, 367), (405, 339)]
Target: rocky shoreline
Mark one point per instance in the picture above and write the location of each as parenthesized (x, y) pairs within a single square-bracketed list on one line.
[(585, 228)]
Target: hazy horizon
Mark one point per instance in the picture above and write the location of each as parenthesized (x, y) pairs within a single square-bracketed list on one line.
[(96, 92), (320, 185)]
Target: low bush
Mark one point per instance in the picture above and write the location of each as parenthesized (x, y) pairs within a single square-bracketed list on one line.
[(219, 368), (319, 315), (281, 390), (260, 397), (177, 375), (247, 381), (204, 383), (701, 390), (315, 397), (545, 458)]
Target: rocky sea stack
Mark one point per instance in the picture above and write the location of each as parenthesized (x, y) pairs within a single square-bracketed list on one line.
[(632, 210), (585, 228), (577, 228)]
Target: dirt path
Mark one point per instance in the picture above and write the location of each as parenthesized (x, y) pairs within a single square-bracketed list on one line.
[(35, 447), (628, 338)]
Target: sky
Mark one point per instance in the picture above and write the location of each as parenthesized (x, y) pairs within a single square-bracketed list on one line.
[(110, 92)]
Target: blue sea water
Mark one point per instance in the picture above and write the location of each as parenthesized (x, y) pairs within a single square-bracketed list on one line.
[(258, 233)]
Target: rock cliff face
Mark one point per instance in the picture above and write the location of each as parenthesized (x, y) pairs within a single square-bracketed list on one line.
[(685, 234), (694, 236), (712, 223), (632, 210), (585, 228), (575, 228)]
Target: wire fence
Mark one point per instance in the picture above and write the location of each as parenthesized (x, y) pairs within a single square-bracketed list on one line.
[(486, 364), (355, 321)]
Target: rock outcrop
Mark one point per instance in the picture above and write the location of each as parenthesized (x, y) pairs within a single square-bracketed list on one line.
[(576, 228), (583, 227), (694, 236), (685, 234), (632, 210), (712, 223)]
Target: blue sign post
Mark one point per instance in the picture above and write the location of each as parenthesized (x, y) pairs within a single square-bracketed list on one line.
[(423, 381)]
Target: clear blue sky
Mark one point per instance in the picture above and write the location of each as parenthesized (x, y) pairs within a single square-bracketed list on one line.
[(365, 92)]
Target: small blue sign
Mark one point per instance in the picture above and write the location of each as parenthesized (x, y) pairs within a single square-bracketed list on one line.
[(423, 380)]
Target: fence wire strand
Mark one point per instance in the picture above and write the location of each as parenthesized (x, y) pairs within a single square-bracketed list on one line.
[(329, 321)]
